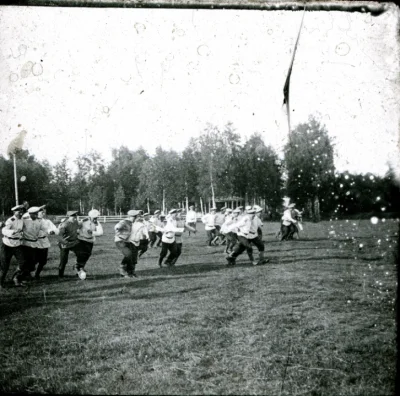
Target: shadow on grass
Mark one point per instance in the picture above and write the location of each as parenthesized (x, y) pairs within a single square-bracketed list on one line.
[(122, 291), (13, 300), (284, 260)]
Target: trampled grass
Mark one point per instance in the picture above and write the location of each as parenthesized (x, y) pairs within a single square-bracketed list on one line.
[(317, 319)]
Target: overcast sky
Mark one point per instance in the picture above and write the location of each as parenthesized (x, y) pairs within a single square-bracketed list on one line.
[(80, 79)]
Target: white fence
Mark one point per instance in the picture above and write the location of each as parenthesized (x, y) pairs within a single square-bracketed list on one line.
[(110, 219)]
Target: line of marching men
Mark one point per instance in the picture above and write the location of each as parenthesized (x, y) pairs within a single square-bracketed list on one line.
[(135, 234), (25, 237), (240, 229)]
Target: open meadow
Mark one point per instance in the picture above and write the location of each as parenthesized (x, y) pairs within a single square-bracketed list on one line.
[(319, 318)]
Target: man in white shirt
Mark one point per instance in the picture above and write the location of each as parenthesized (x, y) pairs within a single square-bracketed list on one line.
[(247, 236), (169, 240), (32, 229), (180, 223), (128, 234), (43, 242), (191, 218), (219, 221), (229, 232), (209, 222), (11, 246), (144, 241), (288, 224), (157, 223), (90, 229)]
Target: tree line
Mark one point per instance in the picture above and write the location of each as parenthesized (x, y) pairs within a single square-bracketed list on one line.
[(215, 169)]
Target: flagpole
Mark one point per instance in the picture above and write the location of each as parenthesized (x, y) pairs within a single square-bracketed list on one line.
[(15, 180)]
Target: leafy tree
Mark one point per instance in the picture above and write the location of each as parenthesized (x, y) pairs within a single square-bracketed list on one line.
[(119, 199), (262, 172), (189, 173), (161, 179), (125, 169), (310, 166), (7, 194), (60, 187), (214, 150)]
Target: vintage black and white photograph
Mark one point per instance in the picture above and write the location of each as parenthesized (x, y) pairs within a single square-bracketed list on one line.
[(199, 197)]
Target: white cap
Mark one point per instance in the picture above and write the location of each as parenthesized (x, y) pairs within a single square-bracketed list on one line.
[(34, 209), (94, 213), (133, 212)]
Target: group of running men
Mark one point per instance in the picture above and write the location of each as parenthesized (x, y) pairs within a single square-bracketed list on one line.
[(25, 236)]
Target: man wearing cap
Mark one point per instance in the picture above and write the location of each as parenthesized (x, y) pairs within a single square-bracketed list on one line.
[(11, 246), (259, 211), (128, 234), (89, 230), (144, 241), (156, 221), (31, 231), (191, 218), (151, 228), (43, 242), (169, 240), (288, 223), (230, 232), (247, 236), (180, 223), (68, 231), (219, 220), (257, 225), (209, 222)]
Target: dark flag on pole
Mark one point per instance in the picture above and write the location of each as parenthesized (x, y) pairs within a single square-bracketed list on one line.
[(287, 82)]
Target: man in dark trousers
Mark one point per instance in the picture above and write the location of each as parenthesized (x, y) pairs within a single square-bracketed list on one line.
[(90, 228), (32, 230), (12, 235), (68, 239), (169, 240), (180, 223)]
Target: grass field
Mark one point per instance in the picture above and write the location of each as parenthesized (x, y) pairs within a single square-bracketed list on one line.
[(318, 319)]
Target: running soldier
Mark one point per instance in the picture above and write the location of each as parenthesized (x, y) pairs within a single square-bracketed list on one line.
[(209, 221), (144, 241), (89, 230), (33, 228), (191, 218), (219, 220), (43, 242), (68, 232), (180, 223), (156, 221), (168, 239), (11, 246), (247, 235), (230, 232), (128, 234)]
